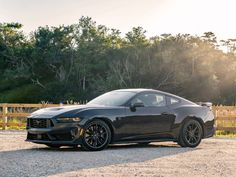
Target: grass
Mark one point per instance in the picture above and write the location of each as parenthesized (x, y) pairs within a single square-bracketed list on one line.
[(225, 134), (17, 121)]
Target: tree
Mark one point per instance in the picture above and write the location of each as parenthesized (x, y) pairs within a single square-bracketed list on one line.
[(83, 60)]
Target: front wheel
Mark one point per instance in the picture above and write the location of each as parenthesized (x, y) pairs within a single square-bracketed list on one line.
[(96, 136), (190, 134)]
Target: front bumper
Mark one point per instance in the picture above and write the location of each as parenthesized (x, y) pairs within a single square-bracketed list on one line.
[(57, 133), (209, 129)]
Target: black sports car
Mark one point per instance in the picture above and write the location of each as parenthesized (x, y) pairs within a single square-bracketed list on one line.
[(123, 116)]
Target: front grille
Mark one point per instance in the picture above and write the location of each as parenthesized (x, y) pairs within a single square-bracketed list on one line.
[(39, 123), (31, 136)]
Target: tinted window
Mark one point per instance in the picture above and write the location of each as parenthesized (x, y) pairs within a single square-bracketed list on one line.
[(174, 101), (114, 98), (150, 99)]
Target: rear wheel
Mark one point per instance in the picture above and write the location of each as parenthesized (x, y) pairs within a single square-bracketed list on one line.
[(181, 143), (97, 136), (191, 134)]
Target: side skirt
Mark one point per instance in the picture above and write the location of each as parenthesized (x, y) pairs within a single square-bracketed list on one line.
[(142, 141)]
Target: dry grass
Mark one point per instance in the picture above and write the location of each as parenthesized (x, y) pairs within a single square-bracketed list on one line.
[(16, 121), (225, 134)]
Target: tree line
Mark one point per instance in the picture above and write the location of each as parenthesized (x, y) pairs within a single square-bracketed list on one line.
[(83, 60)]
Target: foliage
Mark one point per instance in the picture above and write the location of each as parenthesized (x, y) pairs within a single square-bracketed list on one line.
[(82, 60)]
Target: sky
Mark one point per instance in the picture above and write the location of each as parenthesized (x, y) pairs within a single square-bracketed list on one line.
[(155, 16)]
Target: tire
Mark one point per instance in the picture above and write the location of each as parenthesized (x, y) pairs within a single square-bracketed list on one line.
[(96, 136), (53, 145), (180, 140), (190, 134), (181, 143)]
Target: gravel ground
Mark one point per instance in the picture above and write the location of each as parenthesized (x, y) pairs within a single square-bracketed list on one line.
[(214, 157)]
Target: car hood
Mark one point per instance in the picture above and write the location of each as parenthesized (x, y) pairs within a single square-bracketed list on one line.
[(55, 111)]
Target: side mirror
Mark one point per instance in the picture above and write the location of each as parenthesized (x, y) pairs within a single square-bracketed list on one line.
[(135, 105)]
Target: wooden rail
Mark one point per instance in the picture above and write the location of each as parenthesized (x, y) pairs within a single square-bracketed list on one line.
[(225, 115), (19, 111), (225, 118)]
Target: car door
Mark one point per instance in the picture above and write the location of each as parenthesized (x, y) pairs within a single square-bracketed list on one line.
[(151, 119)]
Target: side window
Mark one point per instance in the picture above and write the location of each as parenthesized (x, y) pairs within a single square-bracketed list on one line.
[(150, 99), (174, 101)]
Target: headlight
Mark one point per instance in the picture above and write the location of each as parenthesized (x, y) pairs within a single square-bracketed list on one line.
[(68, 119)]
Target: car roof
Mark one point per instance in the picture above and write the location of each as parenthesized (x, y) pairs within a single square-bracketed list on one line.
[(136, 90), (139, 90)]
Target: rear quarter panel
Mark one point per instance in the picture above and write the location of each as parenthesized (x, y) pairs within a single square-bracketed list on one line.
[(201, 113)]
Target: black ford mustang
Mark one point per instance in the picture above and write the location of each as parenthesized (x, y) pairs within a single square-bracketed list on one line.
[(123, 116)]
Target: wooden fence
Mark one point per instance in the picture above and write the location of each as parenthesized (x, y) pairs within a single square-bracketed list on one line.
[(225, 117), (9, 113)]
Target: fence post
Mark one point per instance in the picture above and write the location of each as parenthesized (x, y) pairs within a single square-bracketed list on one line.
[(4, 111), (216, 116)]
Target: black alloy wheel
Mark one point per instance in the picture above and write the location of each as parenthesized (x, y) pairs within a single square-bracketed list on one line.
[(96, 136), (191, 134)]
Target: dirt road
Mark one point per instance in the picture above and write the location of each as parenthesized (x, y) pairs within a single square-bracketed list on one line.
[(214, 157)]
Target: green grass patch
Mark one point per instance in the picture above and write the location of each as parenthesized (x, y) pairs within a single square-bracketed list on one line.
[(225, 134), (16, 121)]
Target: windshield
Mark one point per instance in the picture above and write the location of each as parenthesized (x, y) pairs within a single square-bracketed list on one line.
[(114, 98)]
